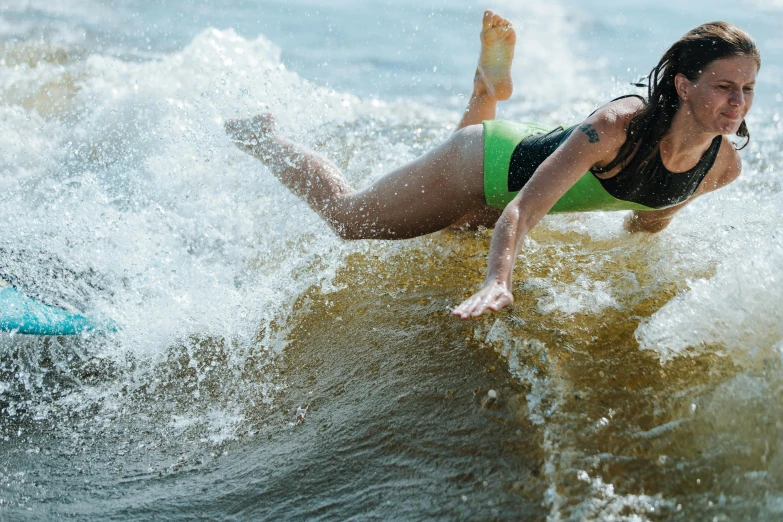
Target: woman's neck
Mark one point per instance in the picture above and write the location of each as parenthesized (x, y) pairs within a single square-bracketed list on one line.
[(685, 142)]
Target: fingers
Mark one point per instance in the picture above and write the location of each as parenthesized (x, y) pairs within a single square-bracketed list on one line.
[(466, 308), (477, 304), (474, 307)]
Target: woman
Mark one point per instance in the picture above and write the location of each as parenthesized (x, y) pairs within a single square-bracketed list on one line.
[(650, 156)]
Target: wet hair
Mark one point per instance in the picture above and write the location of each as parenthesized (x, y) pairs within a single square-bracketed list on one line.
[(689, 56)]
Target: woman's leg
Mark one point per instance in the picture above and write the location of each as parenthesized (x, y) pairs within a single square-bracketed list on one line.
[(426, 195), (441, 188), (491, 84)]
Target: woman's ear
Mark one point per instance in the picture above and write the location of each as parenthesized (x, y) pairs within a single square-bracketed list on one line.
[(682, 84)]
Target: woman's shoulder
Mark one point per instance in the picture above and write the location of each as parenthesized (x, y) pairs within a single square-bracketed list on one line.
[(729, 161), (621, 111), (727, 167), (612, 119)]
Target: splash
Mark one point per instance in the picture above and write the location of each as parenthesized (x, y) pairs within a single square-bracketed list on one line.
[(734, 310), (123, 198)]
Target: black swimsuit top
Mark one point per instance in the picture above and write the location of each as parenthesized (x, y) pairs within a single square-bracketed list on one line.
[(647, 183)]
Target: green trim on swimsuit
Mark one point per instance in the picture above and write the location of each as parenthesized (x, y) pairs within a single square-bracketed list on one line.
[(501, 138)]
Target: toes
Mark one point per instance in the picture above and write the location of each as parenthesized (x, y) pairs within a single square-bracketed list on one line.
[(265, 123), (231, 127), (487, 20), (492, 20), (501, 22), (238, 131), (257, 127), (263, 118)]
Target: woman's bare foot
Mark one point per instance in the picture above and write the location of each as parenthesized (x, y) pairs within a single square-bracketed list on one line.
[(252, 135), (493, 75)]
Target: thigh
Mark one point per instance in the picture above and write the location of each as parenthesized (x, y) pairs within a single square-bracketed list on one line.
[(428, 194)]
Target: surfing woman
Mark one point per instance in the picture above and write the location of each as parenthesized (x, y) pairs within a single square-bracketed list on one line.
[(651, 156)]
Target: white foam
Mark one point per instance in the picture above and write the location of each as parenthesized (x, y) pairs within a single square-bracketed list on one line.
[(219, 425), (135, 180), (601, 502), (580, 296), (740, 308)]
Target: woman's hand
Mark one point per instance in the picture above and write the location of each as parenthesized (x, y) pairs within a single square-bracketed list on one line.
[(494, 295)]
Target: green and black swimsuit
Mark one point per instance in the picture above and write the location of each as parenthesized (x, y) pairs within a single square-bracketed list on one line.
[(513, 152)]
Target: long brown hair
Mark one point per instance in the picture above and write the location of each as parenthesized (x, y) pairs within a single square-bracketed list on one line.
[(689, 55)]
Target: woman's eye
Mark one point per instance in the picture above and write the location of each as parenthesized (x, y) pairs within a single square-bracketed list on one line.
[(748, 89), (723, 87)]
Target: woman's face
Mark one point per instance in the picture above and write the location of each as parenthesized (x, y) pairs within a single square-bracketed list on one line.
[(721, 97)]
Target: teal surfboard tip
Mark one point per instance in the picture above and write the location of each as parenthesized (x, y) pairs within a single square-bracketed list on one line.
[(25, 315)]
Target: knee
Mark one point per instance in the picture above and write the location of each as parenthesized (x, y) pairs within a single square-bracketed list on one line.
[(356, 229), (350, 220), (353, 231), (342, 222), (337, 214)]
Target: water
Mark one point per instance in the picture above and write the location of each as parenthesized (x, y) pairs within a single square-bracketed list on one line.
[(266, 370)]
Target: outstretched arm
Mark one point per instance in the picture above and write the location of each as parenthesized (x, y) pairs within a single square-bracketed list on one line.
[(597, 139)]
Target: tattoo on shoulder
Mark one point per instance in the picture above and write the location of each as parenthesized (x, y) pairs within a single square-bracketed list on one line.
[(592, 134)]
